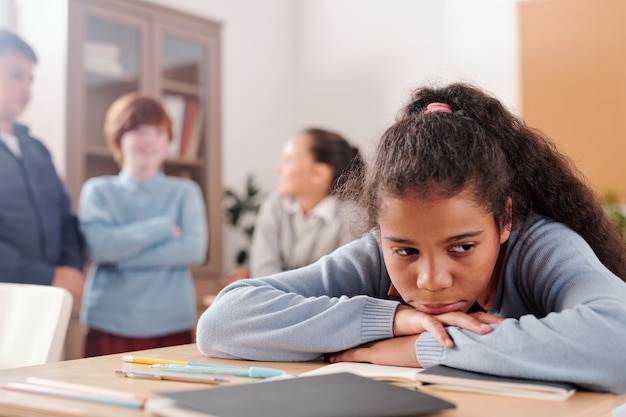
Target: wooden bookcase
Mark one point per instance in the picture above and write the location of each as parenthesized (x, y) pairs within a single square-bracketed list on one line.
[(120, 46)]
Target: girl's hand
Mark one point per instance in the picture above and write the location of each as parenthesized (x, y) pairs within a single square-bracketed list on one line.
[(409, 321), (398, 351)]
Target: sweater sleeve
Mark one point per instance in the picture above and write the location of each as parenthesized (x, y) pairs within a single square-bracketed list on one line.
[(298, 315), (189, 248), (108, 242), (30, 271), (566, 318)]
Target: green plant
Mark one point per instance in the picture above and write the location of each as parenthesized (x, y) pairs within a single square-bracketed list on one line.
[(611, 204), (241, 211)]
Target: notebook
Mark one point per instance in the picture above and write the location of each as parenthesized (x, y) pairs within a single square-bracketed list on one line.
[(333, 395), (444, 378)]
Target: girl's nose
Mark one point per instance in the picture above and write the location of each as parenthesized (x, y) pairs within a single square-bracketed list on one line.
[(432, 276)]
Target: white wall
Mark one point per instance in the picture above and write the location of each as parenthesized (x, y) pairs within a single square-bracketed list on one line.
[(481, 46), (347, 65), (357, 61), (43, 23)]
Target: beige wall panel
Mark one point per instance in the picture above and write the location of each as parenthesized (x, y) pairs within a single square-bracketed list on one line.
[(573, 82)]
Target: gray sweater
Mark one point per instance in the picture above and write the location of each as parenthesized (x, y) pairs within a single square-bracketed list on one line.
[(285, 238), (566, 313)]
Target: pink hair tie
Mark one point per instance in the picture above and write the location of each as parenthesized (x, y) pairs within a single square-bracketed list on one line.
[(438, 107)]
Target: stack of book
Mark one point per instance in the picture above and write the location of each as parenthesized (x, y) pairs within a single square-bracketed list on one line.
[(103, 58)]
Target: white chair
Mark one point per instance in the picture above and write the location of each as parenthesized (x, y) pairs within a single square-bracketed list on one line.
[(33, 324)]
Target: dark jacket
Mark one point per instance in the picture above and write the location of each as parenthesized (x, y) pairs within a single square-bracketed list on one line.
[(38, 230)]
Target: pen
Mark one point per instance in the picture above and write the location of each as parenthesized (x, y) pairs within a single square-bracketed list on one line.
[(76, 395), (169, 376), (158, 361), (252, 372)]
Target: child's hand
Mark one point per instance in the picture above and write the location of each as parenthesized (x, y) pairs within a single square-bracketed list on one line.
[(397, 351), (409, 321), (69, 278), (400, 351)]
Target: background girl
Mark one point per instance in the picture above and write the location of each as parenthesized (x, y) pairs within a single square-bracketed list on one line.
[(306, 218)]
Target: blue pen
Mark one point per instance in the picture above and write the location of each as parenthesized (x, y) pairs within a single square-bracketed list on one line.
[(205, 368)]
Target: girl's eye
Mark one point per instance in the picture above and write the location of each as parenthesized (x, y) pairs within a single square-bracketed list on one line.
[(466, 247), (405, 251)]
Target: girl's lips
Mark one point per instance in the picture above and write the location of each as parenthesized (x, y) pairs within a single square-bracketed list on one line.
[(435, 309)]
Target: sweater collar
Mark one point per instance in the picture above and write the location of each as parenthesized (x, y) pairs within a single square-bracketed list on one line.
[(134, 183), (325, 209)]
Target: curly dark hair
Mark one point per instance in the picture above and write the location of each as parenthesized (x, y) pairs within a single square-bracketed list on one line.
[(482, 146)]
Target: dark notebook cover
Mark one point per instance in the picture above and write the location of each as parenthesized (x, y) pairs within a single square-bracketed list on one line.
[(334, 395)]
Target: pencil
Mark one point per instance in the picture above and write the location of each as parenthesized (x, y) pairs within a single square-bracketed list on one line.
[(85, 389), (171, 376), (150, 361), (75, 395)]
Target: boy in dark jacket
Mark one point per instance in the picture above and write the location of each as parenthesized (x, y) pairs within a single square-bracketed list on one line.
[(39, 239)]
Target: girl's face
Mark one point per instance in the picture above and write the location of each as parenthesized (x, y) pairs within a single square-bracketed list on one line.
[(441, 251), (144, 148), (297, 168)]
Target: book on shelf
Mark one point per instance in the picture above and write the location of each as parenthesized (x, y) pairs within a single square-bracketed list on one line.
[(441, 377), (340, 394), (186, 116), (174, 105), (191, 110), (195, 136), (192, 127)]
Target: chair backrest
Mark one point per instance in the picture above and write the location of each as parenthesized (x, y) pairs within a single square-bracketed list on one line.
[(33, 324)]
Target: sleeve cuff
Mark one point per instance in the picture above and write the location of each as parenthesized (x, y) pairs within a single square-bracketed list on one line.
[(378, 319), (428, 350)]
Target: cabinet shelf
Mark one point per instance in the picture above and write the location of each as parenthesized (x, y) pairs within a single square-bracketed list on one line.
[(96, 78), (181, 87)]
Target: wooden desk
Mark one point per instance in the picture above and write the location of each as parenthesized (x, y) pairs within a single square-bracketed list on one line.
[(99, 372)]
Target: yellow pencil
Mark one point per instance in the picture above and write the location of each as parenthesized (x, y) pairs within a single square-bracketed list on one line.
[(150, 361)]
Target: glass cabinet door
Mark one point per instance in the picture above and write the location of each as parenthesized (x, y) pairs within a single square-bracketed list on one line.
[(183, 83), (112, 53)]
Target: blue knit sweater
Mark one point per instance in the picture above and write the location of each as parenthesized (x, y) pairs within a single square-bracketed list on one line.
[(139, 284), (566, 313)]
